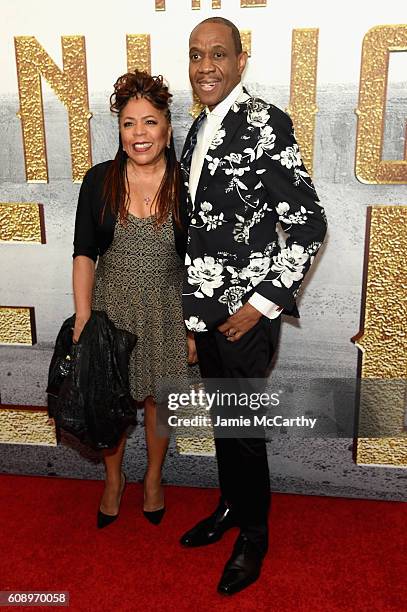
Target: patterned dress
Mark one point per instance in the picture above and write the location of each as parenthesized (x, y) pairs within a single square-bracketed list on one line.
[(138, 284)]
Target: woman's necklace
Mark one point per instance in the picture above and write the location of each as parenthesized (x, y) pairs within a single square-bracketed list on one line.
[(148, 200)]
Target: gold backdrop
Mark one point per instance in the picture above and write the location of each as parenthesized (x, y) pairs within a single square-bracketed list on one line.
[(382, 340)]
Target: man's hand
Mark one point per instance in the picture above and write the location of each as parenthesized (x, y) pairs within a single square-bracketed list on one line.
[(239, 323)]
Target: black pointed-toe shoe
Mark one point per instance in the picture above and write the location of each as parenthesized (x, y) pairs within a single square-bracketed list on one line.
[(104, 520), (211, 529), (242, 569), (154, 516)]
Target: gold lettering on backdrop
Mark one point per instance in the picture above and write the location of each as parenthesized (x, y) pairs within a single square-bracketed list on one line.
[(383, 340), (196, 5), (70, 85), (252, 3), (138, 52), (26, 425), (22, 222), (378, 43), (17, 325), (302, 106), (216, 4), (202, 442), (246, 36), (195, 445)]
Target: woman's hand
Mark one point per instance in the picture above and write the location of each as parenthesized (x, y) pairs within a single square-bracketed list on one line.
[(80, 323), (192, 354)]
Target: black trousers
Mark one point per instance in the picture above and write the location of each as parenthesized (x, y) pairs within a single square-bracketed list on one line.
[(242, 462)]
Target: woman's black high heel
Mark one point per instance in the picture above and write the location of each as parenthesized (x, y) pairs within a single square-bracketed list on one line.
[(104, 520), (155, 516)]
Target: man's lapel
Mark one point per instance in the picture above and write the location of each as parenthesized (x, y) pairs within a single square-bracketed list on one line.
[(221, 143), (189, 146)]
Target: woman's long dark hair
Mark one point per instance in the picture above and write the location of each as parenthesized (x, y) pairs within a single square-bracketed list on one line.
[(116, 189)]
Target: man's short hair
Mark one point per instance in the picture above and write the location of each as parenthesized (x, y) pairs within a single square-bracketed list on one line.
[(235, 31)]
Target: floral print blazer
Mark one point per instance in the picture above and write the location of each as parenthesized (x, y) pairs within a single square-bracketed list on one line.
[(252, 177)]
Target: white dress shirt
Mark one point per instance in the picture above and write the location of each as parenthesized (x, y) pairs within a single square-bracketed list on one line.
[(207, 131)]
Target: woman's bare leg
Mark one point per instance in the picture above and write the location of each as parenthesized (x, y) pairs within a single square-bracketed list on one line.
[(113, 459), (156, 451)]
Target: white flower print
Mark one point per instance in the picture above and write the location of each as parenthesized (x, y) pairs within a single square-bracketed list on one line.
[(299, 217), (194, 324), (237, 171), (257, 269), (290, 157), (235, 158), (233, 298), (217, 139), (213, 163), (313, 247), (211, 221), (282, 208), (270, 248), (241, 231), (234, 275), (205, 272), (289, 263), (257, 114), (214, 221), (266, 141), (258, 118)]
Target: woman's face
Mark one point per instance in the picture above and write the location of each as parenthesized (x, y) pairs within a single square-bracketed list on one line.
[(145, 132)]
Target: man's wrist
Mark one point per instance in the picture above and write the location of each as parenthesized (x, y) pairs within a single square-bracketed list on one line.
[(266, 307)]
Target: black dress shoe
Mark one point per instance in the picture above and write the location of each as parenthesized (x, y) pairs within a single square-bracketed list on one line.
[(242, 569), (104, 520), (211, 529)]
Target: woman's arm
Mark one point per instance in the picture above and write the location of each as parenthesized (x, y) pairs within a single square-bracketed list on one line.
[(83, 279), (192, 354), (85, 254)]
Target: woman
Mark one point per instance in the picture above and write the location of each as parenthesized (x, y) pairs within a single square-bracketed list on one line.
[(128, 219)]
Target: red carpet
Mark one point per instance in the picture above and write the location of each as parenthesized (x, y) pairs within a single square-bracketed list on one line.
[(325, 553)]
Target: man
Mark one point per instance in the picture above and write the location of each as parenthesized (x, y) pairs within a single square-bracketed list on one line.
[(243, 174)]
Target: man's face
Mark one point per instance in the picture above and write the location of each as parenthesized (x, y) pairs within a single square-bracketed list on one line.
[(215, 67)]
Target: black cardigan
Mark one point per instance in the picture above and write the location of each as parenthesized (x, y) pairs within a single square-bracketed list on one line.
[(93, 238)]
